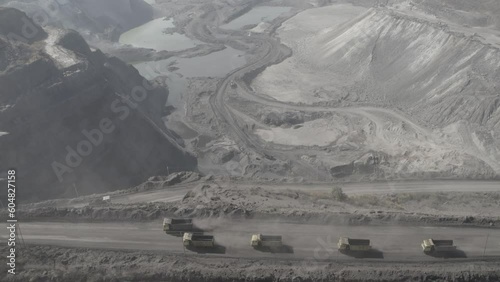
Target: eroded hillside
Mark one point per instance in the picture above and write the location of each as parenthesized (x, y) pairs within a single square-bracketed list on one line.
[(426, 88)]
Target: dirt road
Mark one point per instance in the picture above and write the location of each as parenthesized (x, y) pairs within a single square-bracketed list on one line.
[(394, 243), (271, 52), (177, 192)]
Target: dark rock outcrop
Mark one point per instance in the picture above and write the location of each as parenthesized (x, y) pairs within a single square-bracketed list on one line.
[(75, 121), (74, 42), (15, 25)]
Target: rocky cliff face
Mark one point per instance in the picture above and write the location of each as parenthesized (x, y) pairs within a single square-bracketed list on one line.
[(72, 119)]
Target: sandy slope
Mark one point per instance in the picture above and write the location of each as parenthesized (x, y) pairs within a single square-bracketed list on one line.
[(436, 80)]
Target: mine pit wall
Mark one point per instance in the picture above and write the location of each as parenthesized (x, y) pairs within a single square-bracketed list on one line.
[(49, 108), (451, 71), (39, 71), (436, 75), (87, 88), (453, 82)]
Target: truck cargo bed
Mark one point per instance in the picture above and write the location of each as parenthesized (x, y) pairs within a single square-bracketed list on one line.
[(200, 237), (358, 242), (176, 226), (443, 242), (181, 221), (270, 238)]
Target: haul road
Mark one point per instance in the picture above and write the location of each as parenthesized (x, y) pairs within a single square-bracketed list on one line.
[(397, 243)]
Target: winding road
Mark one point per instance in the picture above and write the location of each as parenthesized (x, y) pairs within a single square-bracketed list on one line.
[(177, 192)]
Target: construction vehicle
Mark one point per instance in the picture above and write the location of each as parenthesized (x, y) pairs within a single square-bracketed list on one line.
[(354, 245), (431, 246), (198, 240), (266, 241), (177, 225)]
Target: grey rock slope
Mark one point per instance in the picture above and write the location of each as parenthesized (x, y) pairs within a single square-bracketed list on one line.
[(72, 117), (448, 76), (425, 86), (443, 77), (479, 13)]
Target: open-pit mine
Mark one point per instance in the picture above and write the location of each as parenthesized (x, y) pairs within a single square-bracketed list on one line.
[(262, 140)]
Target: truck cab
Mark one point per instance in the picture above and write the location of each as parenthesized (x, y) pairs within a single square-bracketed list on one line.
[(255, 241)]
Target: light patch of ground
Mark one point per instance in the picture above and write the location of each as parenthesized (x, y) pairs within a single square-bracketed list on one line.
[(291, 80), (62, 56), (261, 27), (319, 132)]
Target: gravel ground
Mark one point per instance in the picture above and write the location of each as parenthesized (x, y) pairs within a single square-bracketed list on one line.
[(40, 263), (211, 200)]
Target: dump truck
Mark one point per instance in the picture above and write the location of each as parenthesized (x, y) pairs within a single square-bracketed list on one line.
[(177, 225), (356, 245), (198, 240), (259, 240), (431, 246)]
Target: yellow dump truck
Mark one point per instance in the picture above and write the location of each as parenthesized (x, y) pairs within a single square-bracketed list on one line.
[(177, 225), (431, 246), (198, 240), (355, 245), (269, 241)]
